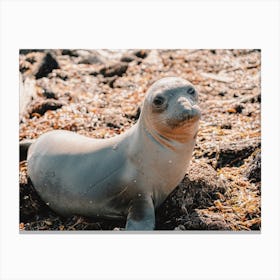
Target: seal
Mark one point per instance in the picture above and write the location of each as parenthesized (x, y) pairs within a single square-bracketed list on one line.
[(126, 176)]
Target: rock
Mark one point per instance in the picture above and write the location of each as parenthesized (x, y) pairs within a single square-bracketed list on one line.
[(233, 154), (253, 170), (42, 106), (110, 81), (155, 59), (199, 189), (95, 57), (238, 108), (117, 69), (180, 227), (205, 221), (91, 59), (70, 52), (49, 94), (135, 56), (226, 126), (141, 53), (26, 51), (47, 65), (128, 58), (222, 93), (201, 184), (27, 92)]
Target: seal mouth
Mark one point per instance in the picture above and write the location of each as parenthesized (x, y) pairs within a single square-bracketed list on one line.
[(187, 115)]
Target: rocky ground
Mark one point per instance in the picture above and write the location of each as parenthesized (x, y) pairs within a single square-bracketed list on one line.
[(98, 93)]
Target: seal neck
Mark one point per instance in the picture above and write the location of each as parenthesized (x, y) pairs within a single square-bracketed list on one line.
[(158, 138), (170, 143), (173, 139)]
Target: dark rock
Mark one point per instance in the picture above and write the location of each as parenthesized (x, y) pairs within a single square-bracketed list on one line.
[(128, 58), (112, 125), (226, 126), (49, 94), (238, 108), (141, 53), (70, 52), (110, 81), (222, 93), (23, 68), (62, 75), (253, 170), (47, 65), (26, 51), (233, 154), (117, 69), (31, 59), (42, 106)]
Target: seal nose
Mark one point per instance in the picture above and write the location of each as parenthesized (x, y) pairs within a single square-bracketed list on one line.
[(187, 109), (185, 103)]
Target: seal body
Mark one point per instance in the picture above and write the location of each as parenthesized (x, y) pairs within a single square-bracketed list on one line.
[(126, 176)]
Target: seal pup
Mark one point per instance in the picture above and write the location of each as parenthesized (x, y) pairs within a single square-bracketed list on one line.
[(126, 176)]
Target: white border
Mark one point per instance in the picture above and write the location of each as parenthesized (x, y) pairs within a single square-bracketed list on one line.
[(157, 24)]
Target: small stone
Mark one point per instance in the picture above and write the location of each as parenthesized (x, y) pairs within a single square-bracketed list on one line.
[(226, 126), (117, 69), (222, 93), (239, 108), (49, 223), (141, 53), (47, 65), (180, 227)]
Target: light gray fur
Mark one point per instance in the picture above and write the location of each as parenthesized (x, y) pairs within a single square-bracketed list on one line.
[(126, 176)]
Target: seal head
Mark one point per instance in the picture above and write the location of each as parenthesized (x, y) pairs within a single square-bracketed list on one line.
[(171, 109)]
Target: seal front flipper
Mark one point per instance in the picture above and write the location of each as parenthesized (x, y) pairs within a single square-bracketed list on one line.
[(141, 214)]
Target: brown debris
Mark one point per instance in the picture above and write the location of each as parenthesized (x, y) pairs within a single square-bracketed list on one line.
[(253, 170), (102, 98), (233, 154), (201, 187)]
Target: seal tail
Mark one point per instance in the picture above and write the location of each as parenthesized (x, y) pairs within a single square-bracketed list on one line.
[(23, 148)]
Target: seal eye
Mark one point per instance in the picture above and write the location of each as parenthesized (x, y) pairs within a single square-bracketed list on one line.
[(191, 91), (158, 101)]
